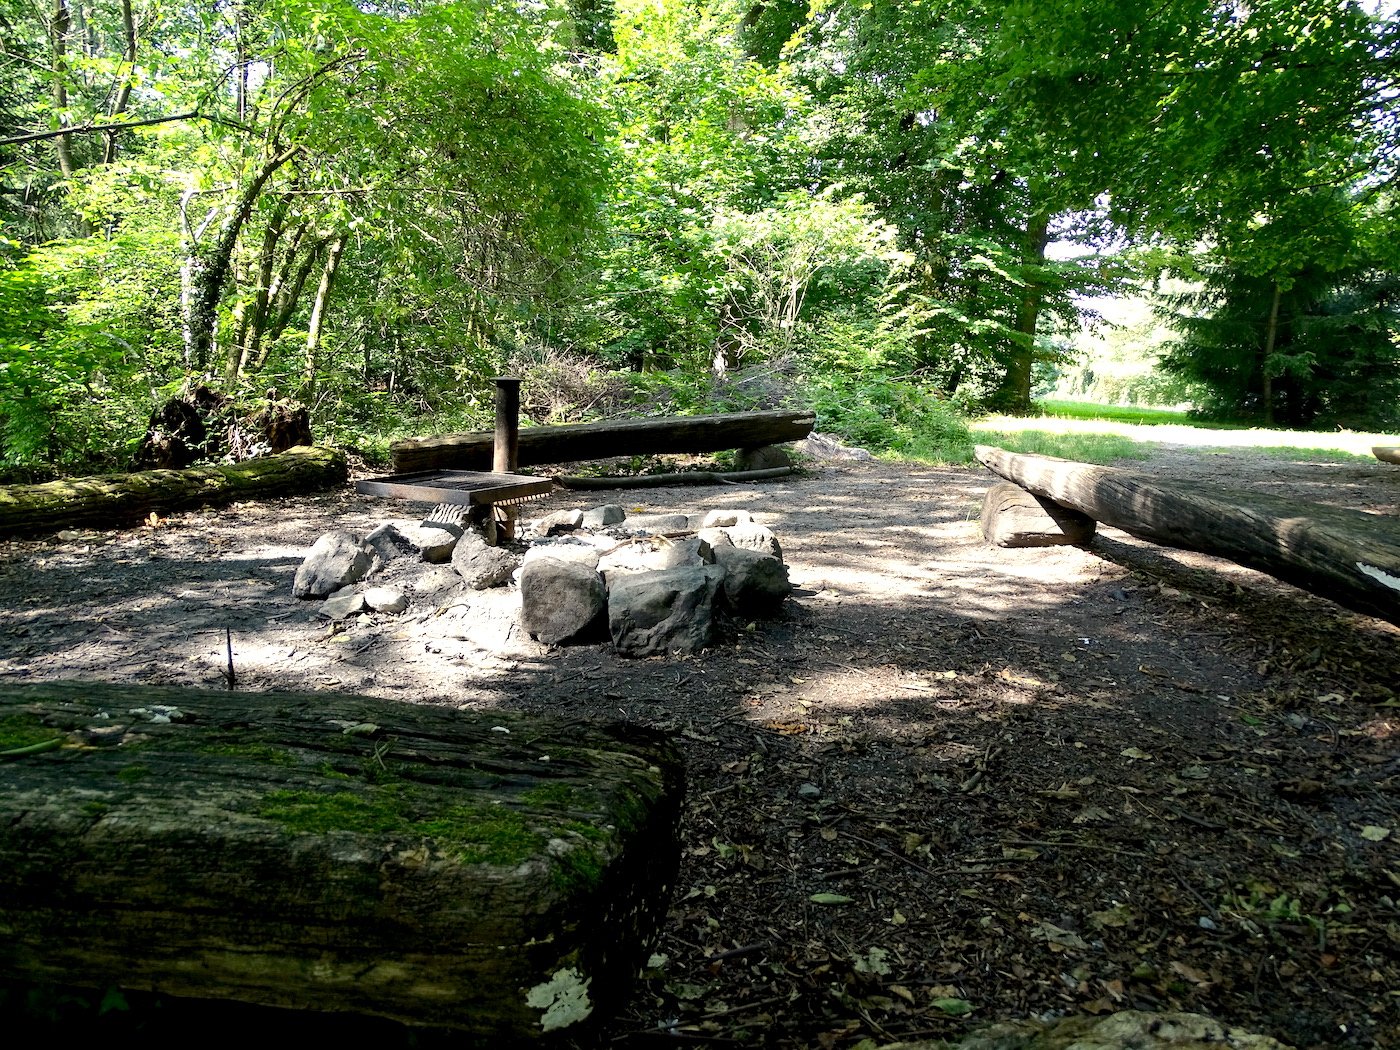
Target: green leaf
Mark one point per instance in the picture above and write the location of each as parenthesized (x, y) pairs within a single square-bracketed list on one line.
[(953, 1007), (829, 898)]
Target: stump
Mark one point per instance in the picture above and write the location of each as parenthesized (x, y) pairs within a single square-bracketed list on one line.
[(493, 873), (1013, 517)]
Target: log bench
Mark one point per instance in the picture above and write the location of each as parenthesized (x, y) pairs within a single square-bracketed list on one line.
[(109, 500), (670, 435), (492, 873), (1347, 556)]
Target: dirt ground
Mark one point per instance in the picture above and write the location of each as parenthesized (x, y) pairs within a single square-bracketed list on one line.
[(951, 784)]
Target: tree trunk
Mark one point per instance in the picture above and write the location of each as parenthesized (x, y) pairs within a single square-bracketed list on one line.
[(60, 24), (207, 271), (118, 499), (494, 872), (1014, 393), (318, 311), (626, 437), (1270, 341), (1345, 555), (119, 104)]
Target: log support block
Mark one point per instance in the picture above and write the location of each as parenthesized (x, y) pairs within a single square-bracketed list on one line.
[(493, 873), (1013, 517), (1387, 453)]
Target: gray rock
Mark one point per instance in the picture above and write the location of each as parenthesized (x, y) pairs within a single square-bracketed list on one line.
[(719, 519), (1013, 517), (389, 544), (335, 560), (433, 544), (769, 457), (580, 553), (665, 611), (754, 584), (716, 538), (602, 517), (559, 521), (658, 522), (560, 601), (630, 557), (340, 606), (826, 447), (386, 599), (691, 550), (482, 565), (755, 537)]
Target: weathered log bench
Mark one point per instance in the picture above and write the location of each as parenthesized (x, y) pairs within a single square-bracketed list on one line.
[(628, 437), (1348, 556), (492, 873), (121, 499)]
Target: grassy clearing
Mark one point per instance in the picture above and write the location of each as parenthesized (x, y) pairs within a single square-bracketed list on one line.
[(1083, 448), (1102, 438), (1116, 413)]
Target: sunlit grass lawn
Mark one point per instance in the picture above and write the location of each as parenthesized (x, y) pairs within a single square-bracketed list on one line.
[(1102, 433)]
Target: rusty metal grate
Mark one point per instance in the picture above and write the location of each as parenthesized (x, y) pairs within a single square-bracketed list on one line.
[(467, 488)]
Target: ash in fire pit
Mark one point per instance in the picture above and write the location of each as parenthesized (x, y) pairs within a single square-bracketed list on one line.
[(652, 583)]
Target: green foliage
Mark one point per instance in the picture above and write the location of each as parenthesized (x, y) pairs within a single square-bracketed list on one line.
[(1316, 345), (889, 415)]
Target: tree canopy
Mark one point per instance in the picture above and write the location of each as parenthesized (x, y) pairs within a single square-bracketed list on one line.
[(376, 208)]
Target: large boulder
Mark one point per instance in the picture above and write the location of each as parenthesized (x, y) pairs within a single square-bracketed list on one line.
[(561, 600), (669, 610), (336, 560), (750, 535)]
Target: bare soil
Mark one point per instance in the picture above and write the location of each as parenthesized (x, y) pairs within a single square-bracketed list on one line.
[(951, 784)]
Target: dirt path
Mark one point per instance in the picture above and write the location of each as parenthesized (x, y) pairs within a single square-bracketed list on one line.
[(951, 777)]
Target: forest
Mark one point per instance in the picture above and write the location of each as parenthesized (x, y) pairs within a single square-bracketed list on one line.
[(892, 212)]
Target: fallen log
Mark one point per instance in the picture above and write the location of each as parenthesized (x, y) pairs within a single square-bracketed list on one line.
[(671, 435), (1349, 556), (493, 873), (121, 499), (685, 477)]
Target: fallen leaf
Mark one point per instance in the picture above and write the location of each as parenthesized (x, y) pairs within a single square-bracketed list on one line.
[(953, 1007), (873, 961), (829, 898), (1374, 833), (1136, 753)]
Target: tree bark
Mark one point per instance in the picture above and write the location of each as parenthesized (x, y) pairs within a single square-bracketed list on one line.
[(119, 499), (119, 104), (1014, 393), (1270, 341), (496, 873), (627, 437), (1345, 555)]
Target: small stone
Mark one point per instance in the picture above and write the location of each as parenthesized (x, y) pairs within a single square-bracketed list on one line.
[(342, 606), (809, 791), (386, 599), (573, 551), (671, 610), (754, 584), (560, 601), (389, 543)]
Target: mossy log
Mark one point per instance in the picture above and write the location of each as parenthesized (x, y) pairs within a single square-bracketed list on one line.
[(493, 873), (119, 499), (623, 437), (1348, 556)]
